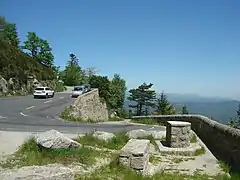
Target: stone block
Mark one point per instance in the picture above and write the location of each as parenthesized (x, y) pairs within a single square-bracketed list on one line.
[(135, 154), (178, 134)]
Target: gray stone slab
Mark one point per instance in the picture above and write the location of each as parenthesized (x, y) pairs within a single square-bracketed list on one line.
[(178, 123), (136, 147)]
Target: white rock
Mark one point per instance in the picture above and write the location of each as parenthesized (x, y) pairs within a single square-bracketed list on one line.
[(137, 133), (3, 85), (104, 136), (55, 140), (158, 134)]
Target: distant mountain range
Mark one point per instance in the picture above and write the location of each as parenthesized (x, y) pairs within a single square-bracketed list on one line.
[(220, 109)]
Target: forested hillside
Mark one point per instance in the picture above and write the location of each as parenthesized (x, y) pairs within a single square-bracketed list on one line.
[(23, 65), (18, 65)]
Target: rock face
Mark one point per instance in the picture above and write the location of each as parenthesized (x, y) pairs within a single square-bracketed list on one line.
[(178, 134), (90, 106), (135, 154), (55, 140), (3, 85), (104, 136)]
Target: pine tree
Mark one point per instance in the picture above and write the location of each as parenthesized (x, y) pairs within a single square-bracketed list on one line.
[(163, 107), (185, 110), (142, 97), (72, 75)]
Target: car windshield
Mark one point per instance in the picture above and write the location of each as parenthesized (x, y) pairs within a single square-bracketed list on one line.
[(78, 89), (39, 89)]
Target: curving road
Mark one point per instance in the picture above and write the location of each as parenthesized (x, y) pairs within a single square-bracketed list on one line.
[(36, 115)]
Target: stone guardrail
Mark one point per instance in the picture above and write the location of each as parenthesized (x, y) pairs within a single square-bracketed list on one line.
[(223, 141)]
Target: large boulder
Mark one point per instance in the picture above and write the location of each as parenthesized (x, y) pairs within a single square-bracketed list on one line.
[(103, 136), (137, 134), (55, 140)]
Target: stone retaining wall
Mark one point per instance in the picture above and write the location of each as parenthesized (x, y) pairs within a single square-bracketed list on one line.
[(223, 141), (90, 106)]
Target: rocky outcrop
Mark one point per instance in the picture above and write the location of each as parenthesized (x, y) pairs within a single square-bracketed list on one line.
[(90, 106), (3, 85), (55, 140), (13, 86)]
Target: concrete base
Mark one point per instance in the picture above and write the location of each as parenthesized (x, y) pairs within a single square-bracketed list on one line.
[(188, 151)]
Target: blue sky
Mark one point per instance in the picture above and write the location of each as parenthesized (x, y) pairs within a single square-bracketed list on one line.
[(180, 46)]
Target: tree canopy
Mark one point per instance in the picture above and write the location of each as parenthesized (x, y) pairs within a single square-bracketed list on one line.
[(185, 110), (143, 96), (39, 49), (163, 107), (10, 34), (72, 75), (117, 90)]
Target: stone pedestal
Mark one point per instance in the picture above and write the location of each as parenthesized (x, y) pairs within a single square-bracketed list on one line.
[(178, 134), (135, 154)]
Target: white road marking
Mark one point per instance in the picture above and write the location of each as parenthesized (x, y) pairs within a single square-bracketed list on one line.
[(23, 114), (1, 117), (48, 101), (30, 107), (61, 97)]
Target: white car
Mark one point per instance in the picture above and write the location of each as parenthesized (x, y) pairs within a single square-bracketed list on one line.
[(78, 90), (43, 92)]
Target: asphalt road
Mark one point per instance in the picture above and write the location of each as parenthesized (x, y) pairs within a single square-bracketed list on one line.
[(36, 115)]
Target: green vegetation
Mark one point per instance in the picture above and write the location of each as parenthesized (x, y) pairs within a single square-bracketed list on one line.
[(72, 74), (193, 138), (163, 107), (39, 49), (154, 159), (144, 101), (10, 34), (143, 97), (235, 122), (115, 143), (226, 168), (200, 151), (33, 59), (117, 171), (185, 110), (110, 91), (30, 153)]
